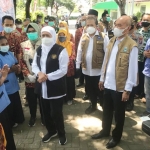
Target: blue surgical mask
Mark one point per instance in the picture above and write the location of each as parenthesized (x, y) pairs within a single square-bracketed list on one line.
[(51, 23), (108, 19), (8, 29), (32, 36), (4, 48), (25, 29)]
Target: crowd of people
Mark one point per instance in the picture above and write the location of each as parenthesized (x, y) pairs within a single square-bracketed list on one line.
[(111, 59)]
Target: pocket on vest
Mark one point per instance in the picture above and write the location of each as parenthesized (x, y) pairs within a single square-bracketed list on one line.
[(124, 60)]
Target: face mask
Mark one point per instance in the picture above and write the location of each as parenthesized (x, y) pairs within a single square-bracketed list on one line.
[(118, 32), (90, 30), (62, 38), (51, 23), (32, 36), (83, 23), (4, 48), (145, 24), (47, 41), (8, 29), (25, 29), (19, 26), (46, 21), (108, 19)]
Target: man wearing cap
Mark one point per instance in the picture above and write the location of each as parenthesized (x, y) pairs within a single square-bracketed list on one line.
[(90, 53), (18, 23)]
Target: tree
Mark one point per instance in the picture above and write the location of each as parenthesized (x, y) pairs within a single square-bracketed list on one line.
[(121, 4), (27, 8)]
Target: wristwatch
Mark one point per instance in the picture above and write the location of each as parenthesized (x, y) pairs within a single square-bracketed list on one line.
[(128, 92)]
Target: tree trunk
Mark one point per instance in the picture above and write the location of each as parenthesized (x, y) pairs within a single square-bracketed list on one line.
[(27, 8), (14, 6), (121, 4)]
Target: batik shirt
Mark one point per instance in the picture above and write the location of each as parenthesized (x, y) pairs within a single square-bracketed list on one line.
[(146, 36)]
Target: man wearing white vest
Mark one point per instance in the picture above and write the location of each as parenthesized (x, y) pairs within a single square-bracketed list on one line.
[(90, 53), (119, 76)]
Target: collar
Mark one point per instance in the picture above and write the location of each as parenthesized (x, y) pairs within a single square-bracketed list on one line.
[(3, 53)]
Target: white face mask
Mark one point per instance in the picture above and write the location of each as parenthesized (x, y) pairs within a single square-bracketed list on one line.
[(90, 30), (47, 41), (62, 28), (19, 26), (118, 32), (83, 23)]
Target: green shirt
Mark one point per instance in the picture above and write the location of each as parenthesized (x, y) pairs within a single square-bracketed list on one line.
[(146, 36)]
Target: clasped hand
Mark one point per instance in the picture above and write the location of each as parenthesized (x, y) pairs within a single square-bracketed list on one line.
[(42, 77)]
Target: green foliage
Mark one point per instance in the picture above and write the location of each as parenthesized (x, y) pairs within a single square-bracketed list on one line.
[(20, 9), (139, 15)]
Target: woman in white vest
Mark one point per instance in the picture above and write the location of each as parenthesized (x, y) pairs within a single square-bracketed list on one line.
[(29, 48)]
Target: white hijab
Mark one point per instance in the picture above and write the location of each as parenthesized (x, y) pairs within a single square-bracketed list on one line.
[(53, 33)]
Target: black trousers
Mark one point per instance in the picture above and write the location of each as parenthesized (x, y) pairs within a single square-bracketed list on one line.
[(113, 105), (32, 101), (81, 79), (93, 89), (71, 92), (4, 120), (140, 87), (15, 111), (53, 115)]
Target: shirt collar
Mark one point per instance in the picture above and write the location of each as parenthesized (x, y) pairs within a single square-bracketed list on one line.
[(3, 53)]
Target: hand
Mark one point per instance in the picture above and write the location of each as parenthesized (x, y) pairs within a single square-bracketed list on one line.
[(14, 68), (101, 86), (147, 54), (4, 71), (125, 96), (42, 77), (32, 78)]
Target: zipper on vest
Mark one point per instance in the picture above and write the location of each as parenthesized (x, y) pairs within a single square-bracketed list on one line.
[(120, 62)]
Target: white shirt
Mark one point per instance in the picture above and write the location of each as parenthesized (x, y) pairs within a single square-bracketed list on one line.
[(63, 66), (89, 71), (110, 78)]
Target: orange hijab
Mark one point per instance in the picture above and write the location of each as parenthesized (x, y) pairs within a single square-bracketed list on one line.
[(67, 44), (64, 23), (2, 135)]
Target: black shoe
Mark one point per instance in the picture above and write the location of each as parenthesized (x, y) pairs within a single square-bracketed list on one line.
[(90, 109), (62, 140), (32, 122), (129, 106), (48, 137), (112, 143), (145, 113), (85, 97), (99, 135), (79, 84), (42, 122)]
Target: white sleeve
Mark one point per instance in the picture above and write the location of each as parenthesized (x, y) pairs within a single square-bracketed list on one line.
[(79, 54), (63, 66), (106, 42), (35, 68), (132, 70)]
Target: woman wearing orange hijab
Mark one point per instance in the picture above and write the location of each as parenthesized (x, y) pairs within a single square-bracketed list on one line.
[(64, 25), (63, 41)]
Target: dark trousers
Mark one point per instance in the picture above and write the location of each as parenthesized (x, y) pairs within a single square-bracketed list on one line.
[(140, 87), (53, 115), (81, 79), (32, 101), (71, 93), (93, 89), (132, 95), (113, 105), (4, 120), (15, 111)]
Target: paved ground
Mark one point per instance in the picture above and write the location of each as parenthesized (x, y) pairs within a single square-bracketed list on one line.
[(79, 127)]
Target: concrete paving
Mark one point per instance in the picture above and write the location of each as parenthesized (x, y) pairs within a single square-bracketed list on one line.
[(79, 128)]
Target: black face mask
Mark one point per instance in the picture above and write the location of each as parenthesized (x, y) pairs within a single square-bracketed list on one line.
[(145, 24), (62, 38)]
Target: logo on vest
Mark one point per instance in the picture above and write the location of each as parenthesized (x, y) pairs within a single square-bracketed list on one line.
[(54, 56), (125, 49)]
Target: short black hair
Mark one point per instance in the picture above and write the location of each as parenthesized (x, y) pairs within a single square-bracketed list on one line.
[(104, 13), (2, 37), (7, 17), (27, 19), (135, 19)]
